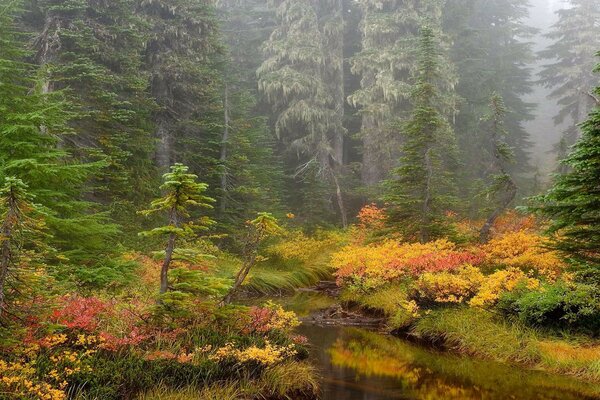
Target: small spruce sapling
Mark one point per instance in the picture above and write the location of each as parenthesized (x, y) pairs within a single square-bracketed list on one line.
[(257, 231), (182, 192)]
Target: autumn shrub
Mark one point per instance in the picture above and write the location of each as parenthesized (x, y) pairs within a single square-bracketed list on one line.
[(559, 305), (372, 266), (500, 282), (524, 250), (449, 287)]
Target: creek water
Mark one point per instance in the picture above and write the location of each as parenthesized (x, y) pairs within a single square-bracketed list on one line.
[(361, 364)]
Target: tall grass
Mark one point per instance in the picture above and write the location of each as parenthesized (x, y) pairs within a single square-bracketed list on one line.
[(287, 381)]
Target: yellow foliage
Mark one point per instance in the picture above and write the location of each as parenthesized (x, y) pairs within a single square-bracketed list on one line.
[(524, 250), (499, 282), (449, 287), (298, 246), (268, 355)]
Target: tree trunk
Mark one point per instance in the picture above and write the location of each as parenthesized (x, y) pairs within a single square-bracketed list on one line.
[(170, 249), (239, 280), (340, 199), (223, 158), (511, 193), (426, 211)]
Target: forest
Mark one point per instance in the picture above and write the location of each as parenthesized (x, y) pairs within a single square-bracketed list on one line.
[(299, 199)]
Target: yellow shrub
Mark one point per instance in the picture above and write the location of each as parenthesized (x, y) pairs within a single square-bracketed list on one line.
[(268, 355), (524, 250), (447, 287), (499, 282)]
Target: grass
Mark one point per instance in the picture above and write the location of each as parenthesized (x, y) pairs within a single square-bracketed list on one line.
[(482, 334), (287, 381)]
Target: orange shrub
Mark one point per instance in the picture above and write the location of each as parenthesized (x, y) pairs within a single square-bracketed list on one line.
[(374, 265)]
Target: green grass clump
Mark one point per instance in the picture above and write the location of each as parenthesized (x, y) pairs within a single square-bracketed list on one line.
[(478, 333)]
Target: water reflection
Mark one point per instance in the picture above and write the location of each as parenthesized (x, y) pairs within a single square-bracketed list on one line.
[(362, 365)]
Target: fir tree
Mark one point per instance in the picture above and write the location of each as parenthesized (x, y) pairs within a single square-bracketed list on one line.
[(182, 193), (503, 189), (33, 125), (492, 54), (386, 62), (423, 187), (94, 49), (569, 74), (293, 78), (573, 203)]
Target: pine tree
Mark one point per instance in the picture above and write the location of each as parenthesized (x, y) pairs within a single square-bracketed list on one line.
[(502, 188), (422, 189), (182, 192), (294, 80), (573, 203), (569, 73), (33, 125)]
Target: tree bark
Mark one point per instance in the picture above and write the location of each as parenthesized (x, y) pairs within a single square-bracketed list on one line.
[(426, 211), (511, 193), (170, 249)]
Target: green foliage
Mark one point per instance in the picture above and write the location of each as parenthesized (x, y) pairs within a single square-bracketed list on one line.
[(574, 200), (33, 135), (559, 305), (423, 187)]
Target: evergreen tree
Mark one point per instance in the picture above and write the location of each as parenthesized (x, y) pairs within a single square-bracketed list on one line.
[(492, 55), (503, 189), (569, 73), (573, 203), (184, 56), (33, 126), (93, 49), (294, 80), (181, 193), (386, 63), (422, 189), (22, 230)]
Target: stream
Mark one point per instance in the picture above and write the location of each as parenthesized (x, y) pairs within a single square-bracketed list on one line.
[(362, 364)]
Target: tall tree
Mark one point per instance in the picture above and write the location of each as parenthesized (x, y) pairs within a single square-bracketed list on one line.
[(422, 189), (93, 49), (183, 55), (492, 55), (569, 72), (33, 126), (573, 203), (386, 62), (294, 79), (502, 188)]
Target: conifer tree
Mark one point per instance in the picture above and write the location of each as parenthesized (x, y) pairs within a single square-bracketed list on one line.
[(386, 62), (422, 188), (492, 53), (33, 123), (22, 234), (569, 72), (294, 80), (93, 49), (573, 203), (182, 192), (503, 189)]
